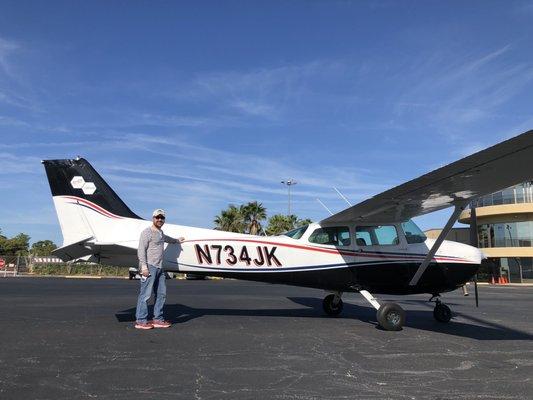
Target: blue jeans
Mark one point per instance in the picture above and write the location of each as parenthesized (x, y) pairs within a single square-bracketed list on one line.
[(156, 283)]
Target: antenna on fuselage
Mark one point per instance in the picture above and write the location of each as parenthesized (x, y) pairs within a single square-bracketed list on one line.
[(323, 205), (343, 197)]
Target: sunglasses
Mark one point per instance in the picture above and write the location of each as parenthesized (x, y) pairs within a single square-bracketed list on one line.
[(159, 217)]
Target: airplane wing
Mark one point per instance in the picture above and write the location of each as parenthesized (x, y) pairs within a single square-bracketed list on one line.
[(495, 168)]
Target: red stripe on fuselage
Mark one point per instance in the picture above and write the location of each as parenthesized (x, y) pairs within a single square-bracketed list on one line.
[(331, 251)]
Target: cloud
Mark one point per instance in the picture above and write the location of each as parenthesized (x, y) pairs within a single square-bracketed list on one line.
[(265, 169), (18, 164), (264, 92), (455, 93), (7, 48)]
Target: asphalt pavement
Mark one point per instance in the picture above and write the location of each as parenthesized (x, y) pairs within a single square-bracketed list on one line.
[(74, 339)]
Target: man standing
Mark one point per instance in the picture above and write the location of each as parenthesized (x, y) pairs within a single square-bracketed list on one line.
[(150, 253)]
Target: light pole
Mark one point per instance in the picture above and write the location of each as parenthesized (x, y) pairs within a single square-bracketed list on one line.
[(289, 183), (517, 259)]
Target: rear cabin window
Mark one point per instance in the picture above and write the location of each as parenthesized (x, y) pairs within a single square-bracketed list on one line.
[(336, 236), (380, 235)]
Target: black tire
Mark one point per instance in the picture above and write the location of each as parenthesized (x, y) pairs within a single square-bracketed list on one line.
[(131, 276), (442, 313), (330, 307), (391, 317)]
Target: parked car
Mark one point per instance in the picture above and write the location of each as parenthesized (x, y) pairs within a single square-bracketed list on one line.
[(134, 273)]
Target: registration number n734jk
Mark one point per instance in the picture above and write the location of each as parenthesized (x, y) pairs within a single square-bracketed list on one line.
[(218, 254)]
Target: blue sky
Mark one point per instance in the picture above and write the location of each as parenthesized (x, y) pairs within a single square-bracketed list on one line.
[(191, 106)]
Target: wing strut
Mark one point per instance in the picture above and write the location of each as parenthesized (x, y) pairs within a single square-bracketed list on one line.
[(453, 219)]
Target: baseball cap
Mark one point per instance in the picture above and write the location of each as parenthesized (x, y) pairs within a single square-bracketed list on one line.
[(157, 212)]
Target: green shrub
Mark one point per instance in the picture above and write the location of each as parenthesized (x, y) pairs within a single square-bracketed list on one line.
[(78, 269)]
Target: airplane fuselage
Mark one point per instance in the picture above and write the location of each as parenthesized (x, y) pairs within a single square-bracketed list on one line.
[(281, 259)]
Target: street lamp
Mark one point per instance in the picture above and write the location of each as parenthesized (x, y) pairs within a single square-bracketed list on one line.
[(517, 259), (289, 183)]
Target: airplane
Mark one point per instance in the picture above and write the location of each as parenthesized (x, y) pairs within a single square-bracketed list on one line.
[(373, 247)]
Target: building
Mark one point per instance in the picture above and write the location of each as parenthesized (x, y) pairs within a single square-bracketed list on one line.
[(505, 230), (461, 235)]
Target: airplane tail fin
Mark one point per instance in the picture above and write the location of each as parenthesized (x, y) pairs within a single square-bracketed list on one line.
[(84, 202)]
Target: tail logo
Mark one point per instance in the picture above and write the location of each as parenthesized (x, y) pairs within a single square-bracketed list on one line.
[(79, 183)]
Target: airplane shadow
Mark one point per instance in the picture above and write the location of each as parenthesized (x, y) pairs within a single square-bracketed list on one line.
[(416, 319)]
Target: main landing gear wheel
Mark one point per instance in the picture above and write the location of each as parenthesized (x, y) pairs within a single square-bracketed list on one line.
[(391, 316), (332, 304), (442, 313)]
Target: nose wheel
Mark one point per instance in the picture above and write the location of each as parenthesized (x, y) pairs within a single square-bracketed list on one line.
[(442, 312)]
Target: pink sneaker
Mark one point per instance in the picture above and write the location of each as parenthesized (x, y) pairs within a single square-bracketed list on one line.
[(156, 323), (143, 325)]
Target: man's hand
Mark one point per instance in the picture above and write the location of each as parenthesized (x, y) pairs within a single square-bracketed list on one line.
[(181, 239), (145, 272)]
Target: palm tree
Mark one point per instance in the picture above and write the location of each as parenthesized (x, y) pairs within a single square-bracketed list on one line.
[(253, 214), (280, 223), (230, 220), (302, 222)]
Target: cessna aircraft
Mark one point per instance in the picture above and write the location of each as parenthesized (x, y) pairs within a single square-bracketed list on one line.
[(371, 247)]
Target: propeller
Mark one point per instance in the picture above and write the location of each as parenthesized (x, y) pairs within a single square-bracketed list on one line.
[(474, 242)]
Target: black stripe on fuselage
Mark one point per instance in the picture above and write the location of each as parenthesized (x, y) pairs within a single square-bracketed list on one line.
[(384, 278)]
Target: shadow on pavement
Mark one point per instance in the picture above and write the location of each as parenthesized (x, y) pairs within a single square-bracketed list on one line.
[(416, 319)]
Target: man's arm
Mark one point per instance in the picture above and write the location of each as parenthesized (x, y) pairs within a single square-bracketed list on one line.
[(169, 239), (141, 250)]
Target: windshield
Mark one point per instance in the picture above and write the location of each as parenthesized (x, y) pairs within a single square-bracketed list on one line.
[(296, 233), (413, 233)]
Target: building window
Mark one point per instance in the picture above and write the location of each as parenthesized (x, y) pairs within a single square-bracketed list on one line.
[(510, 234)]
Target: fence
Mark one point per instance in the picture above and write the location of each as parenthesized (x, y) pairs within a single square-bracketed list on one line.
[(50, 265), (10, 265)]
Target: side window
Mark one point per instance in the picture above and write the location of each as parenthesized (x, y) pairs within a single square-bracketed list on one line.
[(381, 235), (336, 236), (413, 234)]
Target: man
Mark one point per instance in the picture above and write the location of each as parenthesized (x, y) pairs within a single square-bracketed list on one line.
[(150, 253)]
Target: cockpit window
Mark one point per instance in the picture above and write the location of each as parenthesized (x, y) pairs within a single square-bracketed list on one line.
[(336, 236), (413, 234), (378, 235), (296, 233)]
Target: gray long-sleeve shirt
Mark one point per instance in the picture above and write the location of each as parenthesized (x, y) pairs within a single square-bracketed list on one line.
[(151, 246)]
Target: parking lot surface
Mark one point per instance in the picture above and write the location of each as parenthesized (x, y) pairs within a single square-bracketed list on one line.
[(74, 339)]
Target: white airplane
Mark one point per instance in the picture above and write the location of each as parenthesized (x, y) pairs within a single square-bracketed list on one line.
[(370, 247)]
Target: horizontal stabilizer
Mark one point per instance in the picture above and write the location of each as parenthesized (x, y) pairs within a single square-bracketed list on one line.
[(74, 251)]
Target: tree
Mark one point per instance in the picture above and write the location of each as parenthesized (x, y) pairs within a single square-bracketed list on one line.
[(16, 246), (302, 222), (230, 220), (43, 248), (247, 218), (253, 214), (279, 223), (2, 243)]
